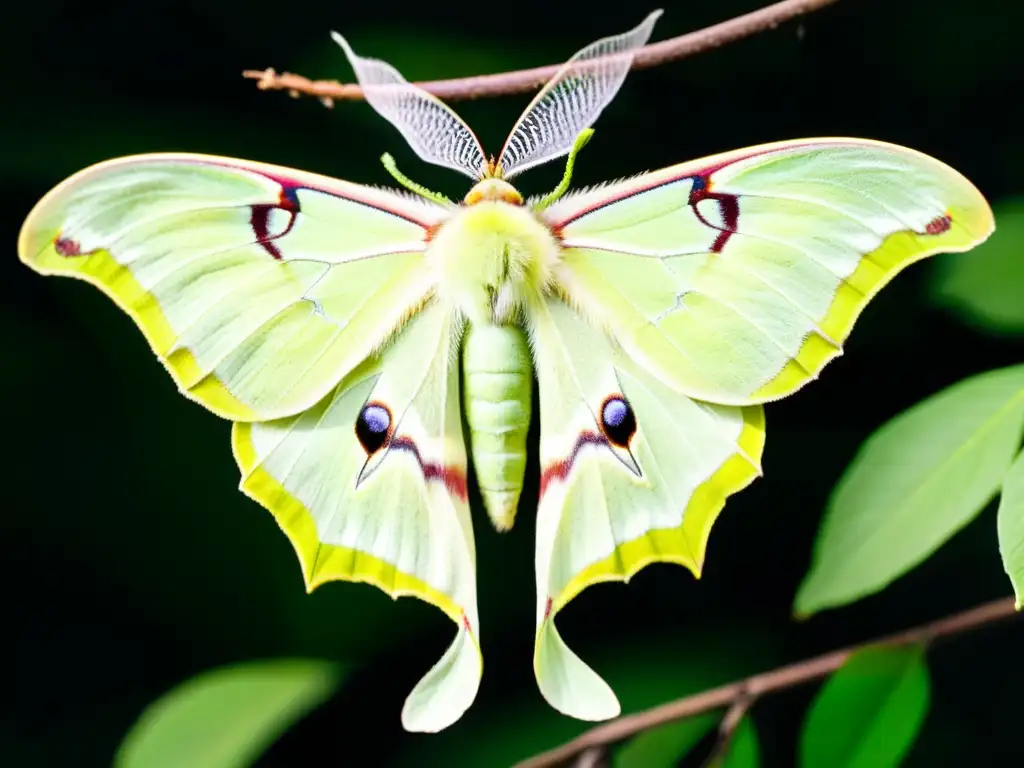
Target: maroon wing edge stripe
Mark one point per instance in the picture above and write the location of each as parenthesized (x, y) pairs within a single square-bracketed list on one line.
[(704, 173), (559, 470), (291, 186), (453, 478)]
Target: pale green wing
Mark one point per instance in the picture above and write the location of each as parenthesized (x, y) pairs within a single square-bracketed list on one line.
[(737, 277), (258, 287), (370, 486), (632, 473)]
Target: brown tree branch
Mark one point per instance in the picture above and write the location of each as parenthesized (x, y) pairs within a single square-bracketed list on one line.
[(766, 682), (715, 36)]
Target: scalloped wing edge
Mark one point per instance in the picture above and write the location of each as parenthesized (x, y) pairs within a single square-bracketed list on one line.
[(448, 689), (561, 674)]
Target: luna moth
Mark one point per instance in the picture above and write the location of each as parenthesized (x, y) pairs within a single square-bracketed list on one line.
[(330, 321)]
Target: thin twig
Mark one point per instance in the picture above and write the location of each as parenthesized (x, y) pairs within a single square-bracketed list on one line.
[(766, 682), (727, 728), (595, 757), (715, 36)]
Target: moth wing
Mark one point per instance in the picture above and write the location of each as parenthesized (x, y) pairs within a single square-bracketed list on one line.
[(612, 501), (258, 287), (395, 517), (737, 277)]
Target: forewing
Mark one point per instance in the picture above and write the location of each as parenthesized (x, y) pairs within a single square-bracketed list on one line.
[(736, 278), (258, 287), (613, 500), (391, 511), (572, 100), (429, 126)]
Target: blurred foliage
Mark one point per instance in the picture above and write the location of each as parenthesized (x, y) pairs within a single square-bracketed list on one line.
[(868, 714), (914, 483), (132, 563), (664, 746), (985, 290), (1010, 524), (226, 717)]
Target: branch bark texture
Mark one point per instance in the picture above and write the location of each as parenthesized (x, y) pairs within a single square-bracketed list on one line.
[(478, 86)]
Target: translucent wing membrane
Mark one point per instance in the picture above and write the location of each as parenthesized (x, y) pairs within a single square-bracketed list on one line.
[(572, 100), (431, 128)]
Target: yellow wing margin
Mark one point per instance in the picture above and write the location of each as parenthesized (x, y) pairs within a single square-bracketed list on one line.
[(685, 545), (392, 511), (739, 276), (101, 270), (875, 270), (257, 287), (322, 562), (616, 498)]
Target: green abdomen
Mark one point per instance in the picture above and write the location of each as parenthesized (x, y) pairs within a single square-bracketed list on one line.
[(497, 387)]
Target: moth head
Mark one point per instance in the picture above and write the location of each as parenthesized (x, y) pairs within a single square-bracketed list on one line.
[(493, 189)]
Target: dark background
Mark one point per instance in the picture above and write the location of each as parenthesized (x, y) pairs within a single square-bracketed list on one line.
[(130, 561)]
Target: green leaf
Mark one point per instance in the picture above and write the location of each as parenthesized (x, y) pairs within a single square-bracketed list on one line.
[(985, 286), (1010, 524), (664, 746), (742, 751), (915, 482), (869, 712), (227, 717)]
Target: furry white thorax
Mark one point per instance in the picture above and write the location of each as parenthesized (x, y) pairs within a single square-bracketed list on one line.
[(492, 258)]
